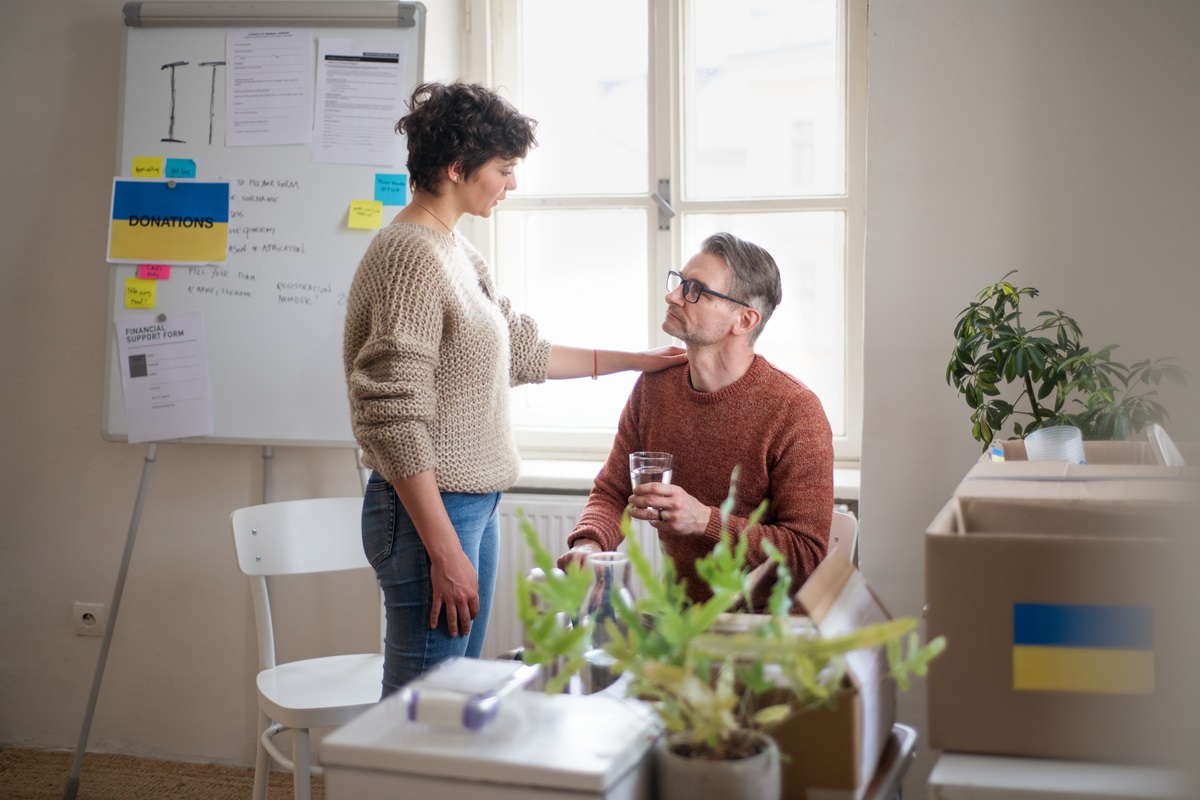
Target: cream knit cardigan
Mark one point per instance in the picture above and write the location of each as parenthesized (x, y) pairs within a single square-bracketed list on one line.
[(430, 353)]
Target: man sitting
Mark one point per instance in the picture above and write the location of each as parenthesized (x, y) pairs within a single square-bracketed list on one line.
[(726, 407)]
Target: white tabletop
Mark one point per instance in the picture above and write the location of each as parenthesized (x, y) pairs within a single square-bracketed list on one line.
[(962, 776), (583, 744)]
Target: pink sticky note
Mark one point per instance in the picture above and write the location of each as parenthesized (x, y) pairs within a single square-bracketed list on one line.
[(154, 272)]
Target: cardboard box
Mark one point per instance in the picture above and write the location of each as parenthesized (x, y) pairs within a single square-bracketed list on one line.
[(1056, 587), (832, 753), (1128, 453)]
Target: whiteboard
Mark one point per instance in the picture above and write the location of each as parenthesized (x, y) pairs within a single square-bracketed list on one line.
[(274, 312)]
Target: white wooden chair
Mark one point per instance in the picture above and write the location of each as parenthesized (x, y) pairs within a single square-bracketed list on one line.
[(290, 538), (843, 535)]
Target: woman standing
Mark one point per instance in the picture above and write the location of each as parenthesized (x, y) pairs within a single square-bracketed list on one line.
[(430, 354)]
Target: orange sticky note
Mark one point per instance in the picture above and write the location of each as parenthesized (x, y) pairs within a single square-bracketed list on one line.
[(366, 214), (154, 272), (147, 167), (139, 293)]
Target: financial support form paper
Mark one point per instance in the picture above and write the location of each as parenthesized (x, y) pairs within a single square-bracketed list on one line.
[(164, 373)]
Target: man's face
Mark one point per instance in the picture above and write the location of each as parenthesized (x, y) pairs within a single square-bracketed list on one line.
[(710, 320)]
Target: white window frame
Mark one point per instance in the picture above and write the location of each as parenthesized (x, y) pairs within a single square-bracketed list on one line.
[(489, 35)]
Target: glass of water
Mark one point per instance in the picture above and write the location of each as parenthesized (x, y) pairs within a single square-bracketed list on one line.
[(649, 467)]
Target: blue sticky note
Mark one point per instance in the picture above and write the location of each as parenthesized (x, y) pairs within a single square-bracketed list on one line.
[(180, 168), (391, 190)]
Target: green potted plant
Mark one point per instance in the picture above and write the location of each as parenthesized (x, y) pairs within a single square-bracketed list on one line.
[(704, 685), (1057, 380)]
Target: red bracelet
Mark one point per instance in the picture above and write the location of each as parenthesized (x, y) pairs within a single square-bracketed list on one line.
[(595, 365)]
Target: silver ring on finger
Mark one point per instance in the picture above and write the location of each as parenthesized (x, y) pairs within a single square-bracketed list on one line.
[(660, 516)]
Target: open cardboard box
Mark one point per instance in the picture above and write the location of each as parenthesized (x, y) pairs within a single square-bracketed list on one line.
[(1061, 591), (832, 753), (1101, 452)]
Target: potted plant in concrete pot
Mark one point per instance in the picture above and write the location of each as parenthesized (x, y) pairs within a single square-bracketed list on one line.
[(704, 684), (1057, 380)]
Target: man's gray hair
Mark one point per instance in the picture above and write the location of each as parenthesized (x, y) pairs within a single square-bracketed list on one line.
[(755, 278)]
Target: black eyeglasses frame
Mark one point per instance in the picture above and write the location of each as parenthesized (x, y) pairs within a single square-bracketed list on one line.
[(686, 285)]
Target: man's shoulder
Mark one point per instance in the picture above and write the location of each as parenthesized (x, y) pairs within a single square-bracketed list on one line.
[(794, 403), (786, 381), (664, 378)]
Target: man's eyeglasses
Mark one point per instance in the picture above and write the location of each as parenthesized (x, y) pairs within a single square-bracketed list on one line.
[(692, 289)]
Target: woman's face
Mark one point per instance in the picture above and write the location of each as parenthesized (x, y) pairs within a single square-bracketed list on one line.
[(484, 190)]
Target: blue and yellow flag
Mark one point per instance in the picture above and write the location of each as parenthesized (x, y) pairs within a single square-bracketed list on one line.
[(169, 222), (1078, 648)]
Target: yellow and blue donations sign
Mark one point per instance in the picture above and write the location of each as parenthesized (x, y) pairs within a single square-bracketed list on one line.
[(1083, 648), (169, 222)]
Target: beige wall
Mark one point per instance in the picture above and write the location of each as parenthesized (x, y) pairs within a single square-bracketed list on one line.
[(1057, 138), (1054, 138)]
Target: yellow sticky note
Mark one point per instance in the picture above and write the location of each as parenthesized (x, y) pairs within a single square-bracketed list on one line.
[(147, 167), (139, 293), (366, 214)]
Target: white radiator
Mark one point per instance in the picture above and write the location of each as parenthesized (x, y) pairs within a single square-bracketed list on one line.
[(553, 517)]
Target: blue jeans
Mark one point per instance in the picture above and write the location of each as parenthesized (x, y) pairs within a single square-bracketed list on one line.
[(402, 566)]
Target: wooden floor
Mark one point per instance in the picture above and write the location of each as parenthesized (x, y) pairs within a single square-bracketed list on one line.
[(40, 775)]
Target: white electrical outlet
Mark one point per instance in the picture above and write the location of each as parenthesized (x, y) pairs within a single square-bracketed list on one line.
[(90, 619)]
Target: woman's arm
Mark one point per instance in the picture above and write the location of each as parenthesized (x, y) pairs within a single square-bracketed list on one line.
[(578, 362), (455, 583), (391, 349)]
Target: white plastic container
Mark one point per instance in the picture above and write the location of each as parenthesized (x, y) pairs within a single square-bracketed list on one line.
[(1059, 443), (548, 747)]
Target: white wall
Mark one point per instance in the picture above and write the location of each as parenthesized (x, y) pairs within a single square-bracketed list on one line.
[(1059, 139)]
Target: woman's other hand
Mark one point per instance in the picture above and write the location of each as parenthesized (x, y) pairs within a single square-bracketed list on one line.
[(660, 358), (451, 574), (456, 587)]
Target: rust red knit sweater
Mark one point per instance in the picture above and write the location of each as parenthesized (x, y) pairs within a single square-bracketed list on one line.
[(769, 423)]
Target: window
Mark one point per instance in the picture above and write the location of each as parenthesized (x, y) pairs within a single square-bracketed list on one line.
[(747, 117)]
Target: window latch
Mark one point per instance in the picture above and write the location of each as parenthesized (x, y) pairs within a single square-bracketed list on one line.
[(662, 199)]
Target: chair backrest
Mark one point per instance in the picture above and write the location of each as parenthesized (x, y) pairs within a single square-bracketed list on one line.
[(843, 535), (294, 537), (299, 536)]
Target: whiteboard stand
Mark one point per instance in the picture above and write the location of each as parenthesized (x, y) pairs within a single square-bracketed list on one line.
[(72, 787)]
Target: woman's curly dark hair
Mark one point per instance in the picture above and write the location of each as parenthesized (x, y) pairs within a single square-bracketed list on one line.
[(460, 123)]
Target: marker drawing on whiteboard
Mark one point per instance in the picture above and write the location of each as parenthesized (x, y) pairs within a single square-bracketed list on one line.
[(212, 93), (171, 126)]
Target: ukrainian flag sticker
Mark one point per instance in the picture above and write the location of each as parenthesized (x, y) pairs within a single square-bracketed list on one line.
[(1083, 648), (169, 222)]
